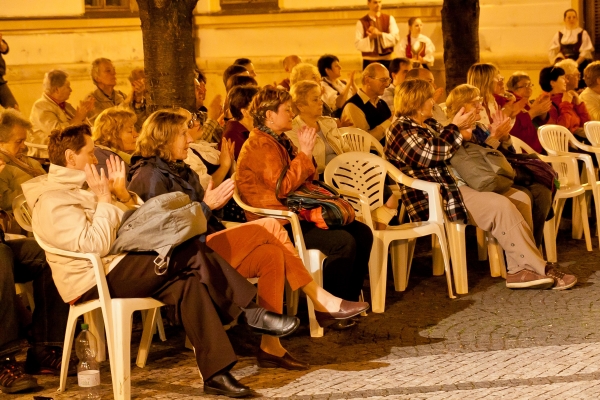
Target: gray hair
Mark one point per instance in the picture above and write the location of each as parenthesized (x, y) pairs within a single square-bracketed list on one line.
[(96, 67), (8, 120), (54, 79), (570, 66), (515, 79), (305, 72)]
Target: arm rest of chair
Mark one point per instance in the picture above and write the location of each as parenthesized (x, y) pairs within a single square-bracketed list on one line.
[(365, 209), (436, 213), (37, 146), (586, 147)]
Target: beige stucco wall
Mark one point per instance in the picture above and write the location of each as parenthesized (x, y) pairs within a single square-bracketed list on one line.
[(510, 37)]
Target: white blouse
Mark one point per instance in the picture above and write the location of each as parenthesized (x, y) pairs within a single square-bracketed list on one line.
[(570, 37)]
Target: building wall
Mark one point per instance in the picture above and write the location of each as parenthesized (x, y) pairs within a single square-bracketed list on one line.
[(45, 35)]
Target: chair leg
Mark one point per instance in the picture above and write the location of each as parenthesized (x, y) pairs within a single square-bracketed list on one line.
[(445, 255), (558, 209), (291, 299), (160, 326), (377, 276), (315, 259), (482, 251), (122, 360), (584, 221), (437, 256), (400, 250), (496, 256), (576, 227), (147, 334), (68, 345), (550, 240), (458, 255)]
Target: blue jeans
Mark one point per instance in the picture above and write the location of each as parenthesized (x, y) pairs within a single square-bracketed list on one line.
[(22, 261)]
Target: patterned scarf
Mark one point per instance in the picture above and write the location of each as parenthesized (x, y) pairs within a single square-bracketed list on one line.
[(281, 139)]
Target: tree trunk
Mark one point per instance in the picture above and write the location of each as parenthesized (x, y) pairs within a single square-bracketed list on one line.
[(167, 31), (460, 29)]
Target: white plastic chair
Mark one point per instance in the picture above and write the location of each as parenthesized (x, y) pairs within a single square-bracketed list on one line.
[(359, 140), (117, 316), (360, 178), (312, 258), (555, 140), (43, 148)]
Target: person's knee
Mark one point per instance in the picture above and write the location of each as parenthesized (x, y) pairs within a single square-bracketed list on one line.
[(270, 259), (6, 261)]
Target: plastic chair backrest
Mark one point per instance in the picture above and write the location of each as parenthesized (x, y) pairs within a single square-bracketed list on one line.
[(361, 173), (592, 132), (22, 212), (555, 139), (359, 140)]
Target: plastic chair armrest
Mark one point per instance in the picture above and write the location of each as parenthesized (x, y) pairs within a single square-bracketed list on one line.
[(364, 204)]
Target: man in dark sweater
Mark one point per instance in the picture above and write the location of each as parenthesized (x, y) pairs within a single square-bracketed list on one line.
[(7, 100), (366, 110)]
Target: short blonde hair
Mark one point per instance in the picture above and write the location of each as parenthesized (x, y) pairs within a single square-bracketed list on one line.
[(458, 97), (570, 66), (481, 75), (158, 132), (591, 73), (411, 95), (299, 91), (109, 125), (305, 72)]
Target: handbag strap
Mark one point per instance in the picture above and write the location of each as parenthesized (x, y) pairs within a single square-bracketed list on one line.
[(278, 186), (335, 194)]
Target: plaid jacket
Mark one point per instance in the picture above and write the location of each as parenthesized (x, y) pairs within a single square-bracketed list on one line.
[(423, 153)]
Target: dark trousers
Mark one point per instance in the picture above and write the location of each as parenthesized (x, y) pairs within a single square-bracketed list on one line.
[(23, 261), (7, 100), (347, 249), (541, 203), (205, 290), (385, 63)]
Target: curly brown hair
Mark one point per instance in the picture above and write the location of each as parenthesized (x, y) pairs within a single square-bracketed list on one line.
[(268, 98), (109, 125)]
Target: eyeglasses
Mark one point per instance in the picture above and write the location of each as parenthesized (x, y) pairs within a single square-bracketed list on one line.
[(528, 86), (193, 120), (382, 80)]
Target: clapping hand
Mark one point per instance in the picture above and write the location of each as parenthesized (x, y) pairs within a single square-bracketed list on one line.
[(464, 120), (226, 158), (540, 106), (215, 108), (500, 128), (117, 179), (307, 137), (218, 197), (98, 183)]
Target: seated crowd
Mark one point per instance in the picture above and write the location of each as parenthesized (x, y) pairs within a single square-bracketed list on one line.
[(86, 166)]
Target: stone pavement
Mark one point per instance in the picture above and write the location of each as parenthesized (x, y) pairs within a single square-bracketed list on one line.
[(492, 343)]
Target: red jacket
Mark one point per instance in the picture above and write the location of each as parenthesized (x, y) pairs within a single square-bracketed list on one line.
[(566, 114)]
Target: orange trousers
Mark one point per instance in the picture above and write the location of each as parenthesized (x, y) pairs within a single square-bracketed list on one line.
[(262, 249)]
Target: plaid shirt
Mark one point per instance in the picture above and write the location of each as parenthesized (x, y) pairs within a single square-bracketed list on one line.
[(423, 153)]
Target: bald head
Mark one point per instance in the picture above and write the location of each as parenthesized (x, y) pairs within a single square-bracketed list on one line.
[(375, 78), (420, 73), (290, 62)]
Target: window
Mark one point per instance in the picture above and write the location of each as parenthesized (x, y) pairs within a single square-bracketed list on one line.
[(249, 6), (111, 8)]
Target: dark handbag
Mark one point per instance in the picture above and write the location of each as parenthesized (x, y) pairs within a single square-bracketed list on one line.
[(539, 170), (318, 203), (482, 168)]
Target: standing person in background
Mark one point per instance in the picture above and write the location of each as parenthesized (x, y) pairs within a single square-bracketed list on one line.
[(416, 46), (288, 64), (591, 94), (246, 63), (572, 42), (336, 91), (7, 100), (399, 67), (376, 35)]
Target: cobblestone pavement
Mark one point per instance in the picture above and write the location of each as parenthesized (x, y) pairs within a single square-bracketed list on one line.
[(492, 343)]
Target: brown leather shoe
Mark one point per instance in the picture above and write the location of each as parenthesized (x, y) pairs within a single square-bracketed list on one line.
[(348, 309), (266, 360)]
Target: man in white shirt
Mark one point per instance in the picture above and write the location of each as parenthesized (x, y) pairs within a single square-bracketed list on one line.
[(376, 35)]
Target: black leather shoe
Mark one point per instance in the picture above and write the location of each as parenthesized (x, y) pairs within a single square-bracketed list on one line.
[(273, 324), (226, 385), (266, 360), (348, 309), (48, 362)]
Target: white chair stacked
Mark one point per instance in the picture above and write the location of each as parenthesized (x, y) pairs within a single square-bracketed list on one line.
[(359, 140), (312, 259), (360, 178), (555, 140)]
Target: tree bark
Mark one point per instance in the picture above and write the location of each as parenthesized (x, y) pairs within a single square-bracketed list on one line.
[(167, 30), (460, 29)]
